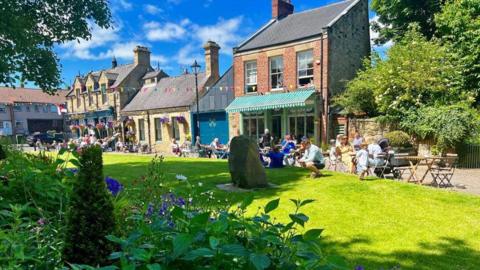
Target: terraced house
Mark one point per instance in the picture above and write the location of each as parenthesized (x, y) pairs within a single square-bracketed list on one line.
[(286, 73), (101, 95)]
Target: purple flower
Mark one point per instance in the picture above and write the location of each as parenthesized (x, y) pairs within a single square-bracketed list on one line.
[(41, 222), (113, 185), (150, 210), (359, 268), (73, 170), (180, 202)]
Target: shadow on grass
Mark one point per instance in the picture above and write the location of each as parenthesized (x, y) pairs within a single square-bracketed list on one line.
[(445, 254)]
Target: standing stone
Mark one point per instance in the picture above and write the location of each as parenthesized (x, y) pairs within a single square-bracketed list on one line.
[(246, 169)]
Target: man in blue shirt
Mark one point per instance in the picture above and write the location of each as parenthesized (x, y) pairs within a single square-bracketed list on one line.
[(312, 159)]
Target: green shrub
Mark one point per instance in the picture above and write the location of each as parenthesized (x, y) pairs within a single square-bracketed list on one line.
[(90, 216), (398, 139), (176, 234), (3, 155)]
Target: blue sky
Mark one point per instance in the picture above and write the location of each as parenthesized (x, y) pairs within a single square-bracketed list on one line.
[(174, 30)]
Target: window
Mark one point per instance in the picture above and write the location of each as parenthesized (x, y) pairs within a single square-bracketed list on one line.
[(253, 125), (251, 77), (301, 123), (17, 107), (276, 72), (305, 68), (175, 129), (1, 124), (77, 92), (45, 108), (3, 109), (18, 124), (27, 108), (90, 98), (141, 129), (36, 108), (53, 109), (103, 87), (158, 130)]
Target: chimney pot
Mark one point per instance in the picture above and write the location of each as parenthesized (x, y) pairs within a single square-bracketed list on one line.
[(114, 62), (282, 8), (142, 56), (212, 69)]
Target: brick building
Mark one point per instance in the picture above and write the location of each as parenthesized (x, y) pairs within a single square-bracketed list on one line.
[(286, 73), (24, 111)]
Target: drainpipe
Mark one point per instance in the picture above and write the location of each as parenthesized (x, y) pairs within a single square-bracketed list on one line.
[(321, 90), (149, 132), (12, 119)]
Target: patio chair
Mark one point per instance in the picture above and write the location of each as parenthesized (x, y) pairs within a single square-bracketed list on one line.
[(442, 173), (380, 169)]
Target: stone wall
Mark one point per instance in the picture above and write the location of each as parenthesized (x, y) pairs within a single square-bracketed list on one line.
[(368, 128)]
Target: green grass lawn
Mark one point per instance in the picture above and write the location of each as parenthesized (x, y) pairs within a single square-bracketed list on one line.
[(377, 224)]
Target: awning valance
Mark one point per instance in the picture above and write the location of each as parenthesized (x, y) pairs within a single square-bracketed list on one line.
[(272, 101)]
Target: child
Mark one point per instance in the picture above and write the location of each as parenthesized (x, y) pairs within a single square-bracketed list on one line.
[(362, 161)]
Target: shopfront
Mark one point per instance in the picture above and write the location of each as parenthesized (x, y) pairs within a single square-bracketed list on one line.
[(295, 113)]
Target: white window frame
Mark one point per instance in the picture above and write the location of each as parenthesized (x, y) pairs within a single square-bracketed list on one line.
[(3, 108), (251, 77), (17, 107), (103, 88), (304, 65), (259, 129), (279, 73), (158, 129)]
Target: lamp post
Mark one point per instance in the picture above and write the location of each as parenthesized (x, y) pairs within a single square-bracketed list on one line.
[(196, 69)]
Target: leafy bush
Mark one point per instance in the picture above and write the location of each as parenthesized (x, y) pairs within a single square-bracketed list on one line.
[(448, 125), (90, 215), (398, 139), (175, 234), (3, 155)]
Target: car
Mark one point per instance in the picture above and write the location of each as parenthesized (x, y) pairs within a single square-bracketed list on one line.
[(44, 138)]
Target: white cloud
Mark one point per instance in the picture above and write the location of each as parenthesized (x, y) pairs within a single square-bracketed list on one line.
[(175, 2), (187, 54), (116, 5), (164, 32), (152, 9), (224, 32)]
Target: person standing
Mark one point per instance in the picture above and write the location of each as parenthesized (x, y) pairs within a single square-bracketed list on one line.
[(312, 159), (362, 161), (357, 141), (345, 152), (266, 139)]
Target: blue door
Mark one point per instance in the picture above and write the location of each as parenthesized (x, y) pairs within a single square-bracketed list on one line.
[(213, 125)]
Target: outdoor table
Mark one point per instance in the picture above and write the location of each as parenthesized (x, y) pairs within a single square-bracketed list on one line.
[(415, 162)]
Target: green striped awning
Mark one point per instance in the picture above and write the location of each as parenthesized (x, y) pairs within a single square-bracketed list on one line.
[(270, 101)]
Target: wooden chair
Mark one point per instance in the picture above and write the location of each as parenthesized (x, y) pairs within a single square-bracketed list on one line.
[(442, 172), (399, 171)]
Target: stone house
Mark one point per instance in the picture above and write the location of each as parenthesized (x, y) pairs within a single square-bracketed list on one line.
[(101, 95), (161, 110), (24, 111), (286, 73)]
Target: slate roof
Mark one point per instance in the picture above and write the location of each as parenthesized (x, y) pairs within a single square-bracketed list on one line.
[(219, 95), (153, 74), (29, 95), (169, 92), (298, 26)]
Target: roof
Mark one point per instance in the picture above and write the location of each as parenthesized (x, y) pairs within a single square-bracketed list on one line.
[(219, 95), (29, 95), (169, 92), (271, 101), (153, 74), (298, 26), (122, 72)]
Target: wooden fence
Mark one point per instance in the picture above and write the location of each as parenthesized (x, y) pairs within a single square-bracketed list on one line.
[(469, 156)]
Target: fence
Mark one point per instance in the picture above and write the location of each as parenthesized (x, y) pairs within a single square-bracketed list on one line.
[(469, 156)]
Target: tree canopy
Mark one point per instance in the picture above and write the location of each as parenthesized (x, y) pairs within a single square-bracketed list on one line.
[(458, 28), (30, 29), (394, 17)]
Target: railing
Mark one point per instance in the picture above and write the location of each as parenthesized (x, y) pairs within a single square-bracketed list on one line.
[(469, 156)]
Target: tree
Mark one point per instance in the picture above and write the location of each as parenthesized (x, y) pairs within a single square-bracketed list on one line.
[(394, 17), (90, 216), (29, 30), (458, 27), (415, 73)]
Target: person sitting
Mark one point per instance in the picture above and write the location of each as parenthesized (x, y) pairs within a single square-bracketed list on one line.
[(375, 153), (357, 141), (344, 152), (266, 139), (312, 159), (276, 158), (218, 150), (288, 145), (362, 160), (176, 148), (119, 146)]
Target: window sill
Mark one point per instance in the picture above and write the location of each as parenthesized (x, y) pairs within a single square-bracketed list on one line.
[(277, 89)]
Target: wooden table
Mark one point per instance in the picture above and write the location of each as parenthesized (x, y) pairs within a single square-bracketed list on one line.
[(415, 162)]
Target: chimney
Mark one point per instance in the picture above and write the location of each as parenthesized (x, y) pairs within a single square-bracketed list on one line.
[(212, 70), (114, 62), (281, 8), (142, 56)]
